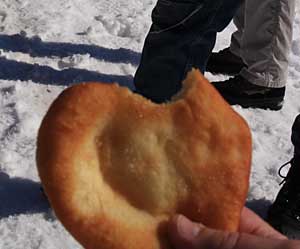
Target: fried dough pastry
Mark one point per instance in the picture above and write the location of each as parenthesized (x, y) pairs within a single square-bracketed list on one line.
[(115, 166)]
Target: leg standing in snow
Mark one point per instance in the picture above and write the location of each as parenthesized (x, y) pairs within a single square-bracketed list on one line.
[(258, 54), (182, 36), (284, 214)]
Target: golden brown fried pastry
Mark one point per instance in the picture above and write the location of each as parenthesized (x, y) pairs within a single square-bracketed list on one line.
[(115, 166)]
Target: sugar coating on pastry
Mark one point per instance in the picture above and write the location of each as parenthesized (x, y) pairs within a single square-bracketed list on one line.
[(116, 166)]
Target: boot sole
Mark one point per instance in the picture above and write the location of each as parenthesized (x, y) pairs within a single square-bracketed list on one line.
[(222, 69), (227, 72), (274, 104)]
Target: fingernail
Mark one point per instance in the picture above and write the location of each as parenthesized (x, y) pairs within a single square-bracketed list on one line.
[(186, 228)]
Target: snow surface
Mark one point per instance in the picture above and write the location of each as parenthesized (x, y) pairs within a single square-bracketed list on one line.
[(46, 46)]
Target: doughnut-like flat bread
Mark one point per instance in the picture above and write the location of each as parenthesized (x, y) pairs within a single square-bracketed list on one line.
[(115, 166)]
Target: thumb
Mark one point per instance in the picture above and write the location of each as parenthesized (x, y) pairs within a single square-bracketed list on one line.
[(185, 234)]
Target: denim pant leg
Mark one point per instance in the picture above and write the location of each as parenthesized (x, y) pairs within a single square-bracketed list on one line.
[(296, 135), (182, 36)]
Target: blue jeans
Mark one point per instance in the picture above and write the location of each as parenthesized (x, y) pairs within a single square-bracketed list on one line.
[(182, 36)]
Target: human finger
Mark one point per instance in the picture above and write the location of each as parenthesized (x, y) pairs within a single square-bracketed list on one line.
[(185, 234), (251, 223)]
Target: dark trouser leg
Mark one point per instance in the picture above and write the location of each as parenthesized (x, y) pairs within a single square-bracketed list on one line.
[(182, 36), (237, 36), (296, 135)]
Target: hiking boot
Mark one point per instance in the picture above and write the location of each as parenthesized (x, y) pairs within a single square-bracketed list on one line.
[(284, 213), (224, 62), (239, 91)]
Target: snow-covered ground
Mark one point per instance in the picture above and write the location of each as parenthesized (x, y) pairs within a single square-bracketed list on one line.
[(46, 46)]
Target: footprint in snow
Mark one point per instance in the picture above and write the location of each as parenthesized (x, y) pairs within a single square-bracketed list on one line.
[(296, 47), (10, 119), (3, 16), (116, 26)]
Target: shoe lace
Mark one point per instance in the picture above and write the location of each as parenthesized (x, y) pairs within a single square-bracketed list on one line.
[(291, 194), (284, 177)]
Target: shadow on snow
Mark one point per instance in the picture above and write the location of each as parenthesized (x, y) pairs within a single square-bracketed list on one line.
[(21, 196), (38, 48), (14, 70), (260, 206)]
